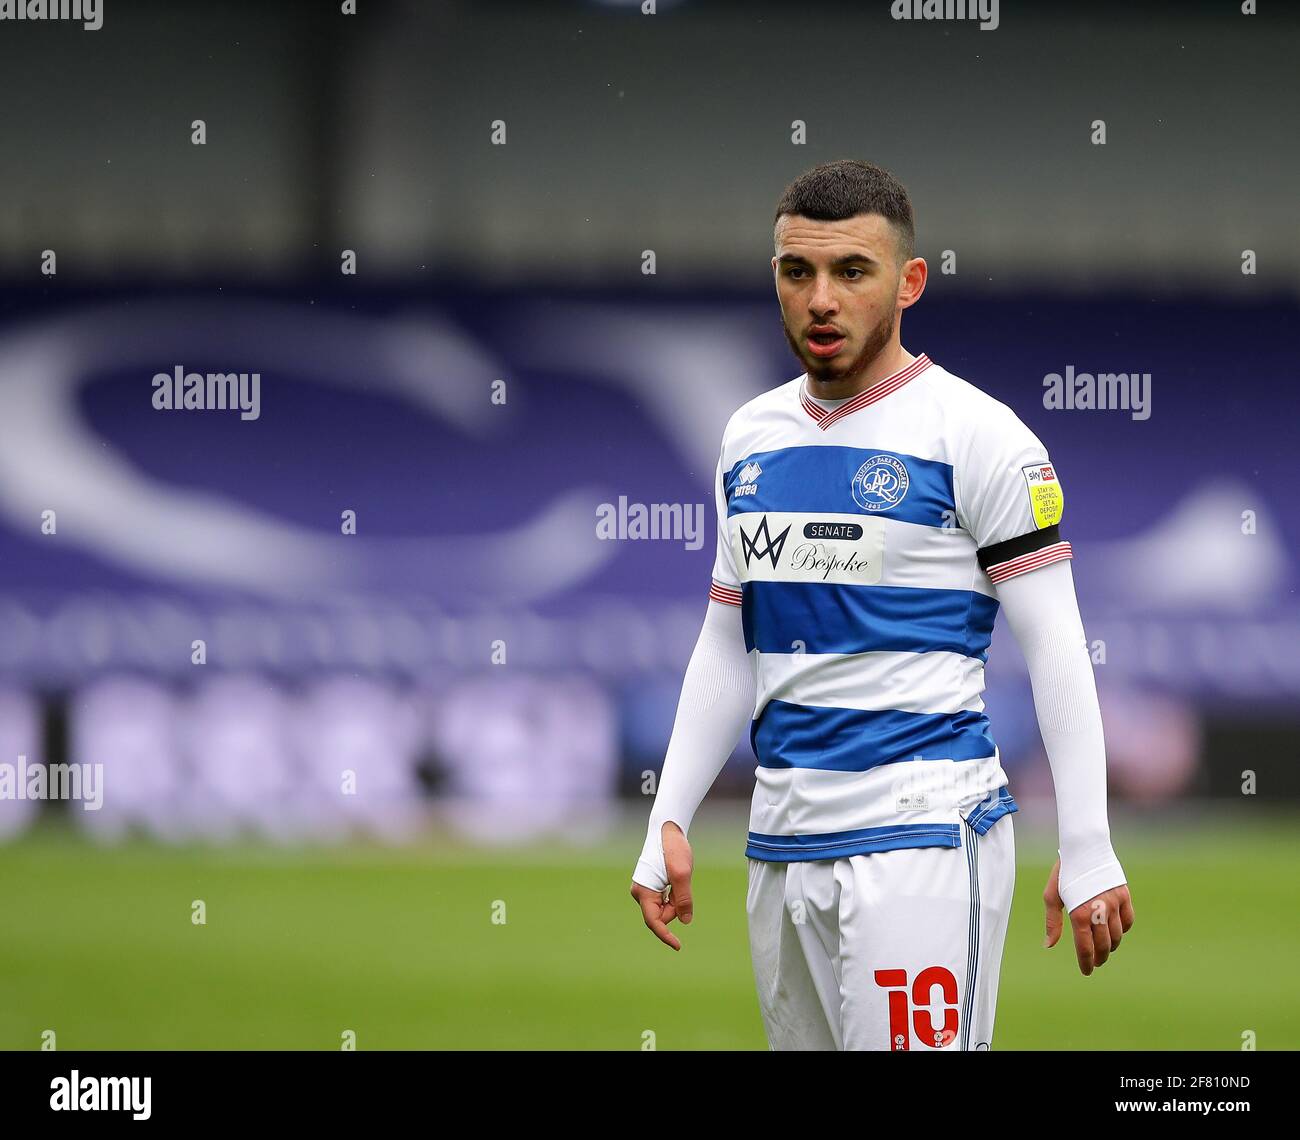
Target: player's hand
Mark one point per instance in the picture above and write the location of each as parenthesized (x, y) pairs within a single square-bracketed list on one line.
[(1099, 924), (659, 908)]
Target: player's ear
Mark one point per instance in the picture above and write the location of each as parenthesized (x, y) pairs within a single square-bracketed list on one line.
[(912, 282)]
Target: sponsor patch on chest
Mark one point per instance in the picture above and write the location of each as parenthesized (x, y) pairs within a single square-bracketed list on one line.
[(786, 547)]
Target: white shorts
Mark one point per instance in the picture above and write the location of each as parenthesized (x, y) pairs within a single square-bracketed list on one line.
[(893, 950)]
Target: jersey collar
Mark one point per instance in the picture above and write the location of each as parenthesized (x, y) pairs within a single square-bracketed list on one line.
[(878, 391)]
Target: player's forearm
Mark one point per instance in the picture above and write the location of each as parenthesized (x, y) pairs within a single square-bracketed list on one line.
[(1069, 718), (716, 703), (1043, 614)]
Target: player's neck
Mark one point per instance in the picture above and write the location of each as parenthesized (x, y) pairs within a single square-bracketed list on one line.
[(893, 359)]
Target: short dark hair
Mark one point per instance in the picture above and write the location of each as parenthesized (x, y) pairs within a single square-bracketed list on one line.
[(837, 191)]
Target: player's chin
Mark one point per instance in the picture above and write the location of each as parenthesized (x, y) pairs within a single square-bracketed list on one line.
[(827, 368)]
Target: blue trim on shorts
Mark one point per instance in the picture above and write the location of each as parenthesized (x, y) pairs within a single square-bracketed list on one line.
[(972, 937)]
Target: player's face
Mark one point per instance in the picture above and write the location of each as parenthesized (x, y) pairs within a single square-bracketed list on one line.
[(838, 284)]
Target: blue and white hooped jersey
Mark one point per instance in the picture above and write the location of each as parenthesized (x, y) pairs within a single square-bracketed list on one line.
[(863, 539)]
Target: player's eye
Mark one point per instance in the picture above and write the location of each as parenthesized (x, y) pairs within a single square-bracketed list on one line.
[(854, 269)]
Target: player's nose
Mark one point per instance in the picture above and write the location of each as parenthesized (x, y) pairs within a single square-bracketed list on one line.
[(822, 302)]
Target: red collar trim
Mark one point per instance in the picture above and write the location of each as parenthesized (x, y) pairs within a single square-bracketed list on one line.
[(827, 416)]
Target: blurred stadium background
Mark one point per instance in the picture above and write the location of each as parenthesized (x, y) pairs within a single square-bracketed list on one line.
[(498, 678)]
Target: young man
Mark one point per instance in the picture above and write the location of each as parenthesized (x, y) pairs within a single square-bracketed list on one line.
[(872, 516)]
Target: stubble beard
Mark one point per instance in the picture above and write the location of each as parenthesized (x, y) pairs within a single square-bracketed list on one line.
[(834, 369)]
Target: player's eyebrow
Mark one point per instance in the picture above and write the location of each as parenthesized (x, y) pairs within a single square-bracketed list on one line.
[(847, 259)]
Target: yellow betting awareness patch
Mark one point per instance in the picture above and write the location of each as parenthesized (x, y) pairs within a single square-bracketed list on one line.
[(1046, 500)]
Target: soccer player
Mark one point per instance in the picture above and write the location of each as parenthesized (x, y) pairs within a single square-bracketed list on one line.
[(873, 514)]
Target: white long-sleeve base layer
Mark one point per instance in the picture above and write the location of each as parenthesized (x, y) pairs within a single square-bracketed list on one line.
[(1042, 611), (717, 702), (1043, 615)]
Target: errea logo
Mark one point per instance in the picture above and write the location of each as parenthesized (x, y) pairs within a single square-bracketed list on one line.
[(747, 481)]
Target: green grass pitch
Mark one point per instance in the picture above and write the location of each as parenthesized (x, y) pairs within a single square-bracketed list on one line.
[(399, 946)]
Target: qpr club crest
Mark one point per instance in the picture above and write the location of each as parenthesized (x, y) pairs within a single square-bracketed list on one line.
[(881, 483)]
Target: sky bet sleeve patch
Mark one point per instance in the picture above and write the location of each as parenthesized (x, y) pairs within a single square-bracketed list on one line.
[(1046, 500)]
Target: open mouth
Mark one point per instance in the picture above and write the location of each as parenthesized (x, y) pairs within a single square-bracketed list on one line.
[(825, 343)]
